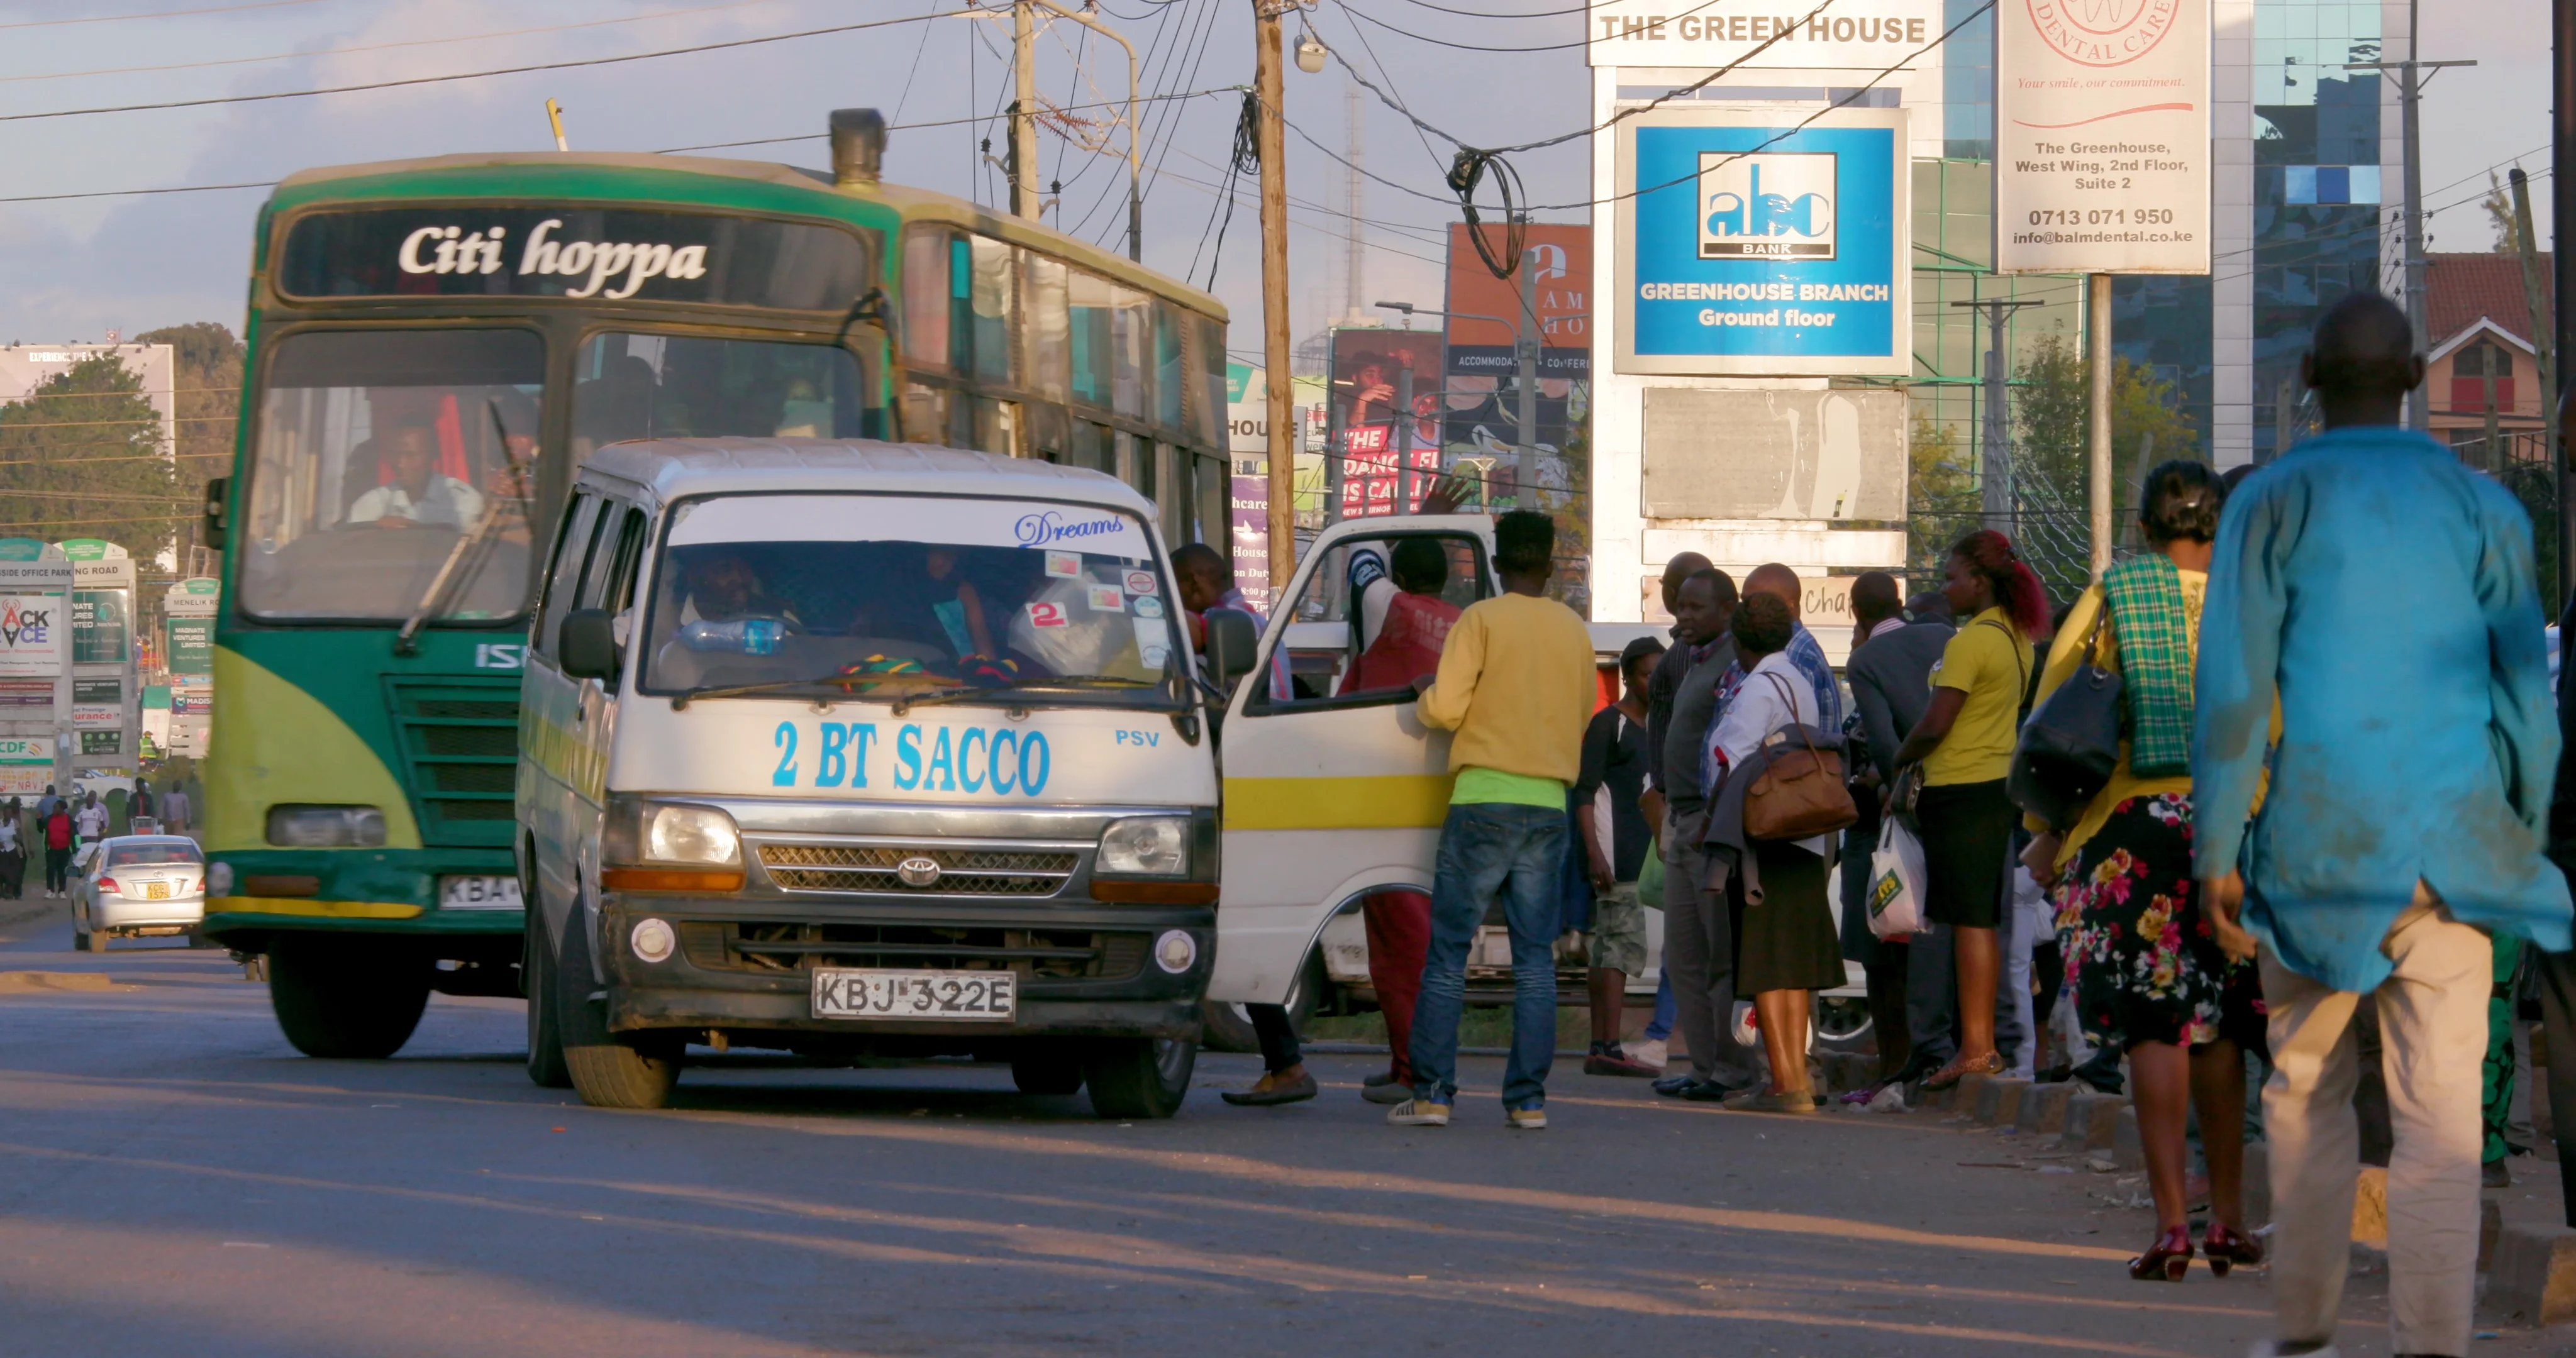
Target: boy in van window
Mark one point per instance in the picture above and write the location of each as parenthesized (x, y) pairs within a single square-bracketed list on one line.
[(723, 586)]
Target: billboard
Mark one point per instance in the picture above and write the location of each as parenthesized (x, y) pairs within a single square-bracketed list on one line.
[(1368, 367), (102, 626), (1480, 426), (2102, 136), (35, 608), (26, 765), (1758, 247), (1862, 34), (25, 367), (1829, 456)]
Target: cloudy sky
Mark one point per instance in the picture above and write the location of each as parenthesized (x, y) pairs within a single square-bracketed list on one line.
[(77, 267)]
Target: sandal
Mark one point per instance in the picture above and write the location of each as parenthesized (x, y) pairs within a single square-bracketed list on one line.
[(2227, 1247), (1992, 1063), (2168, 1259)]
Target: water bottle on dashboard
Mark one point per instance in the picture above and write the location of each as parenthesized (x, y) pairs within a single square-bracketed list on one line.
[(745, 636)]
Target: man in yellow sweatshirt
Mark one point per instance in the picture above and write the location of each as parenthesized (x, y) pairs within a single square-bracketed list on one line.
[(1516, 682)]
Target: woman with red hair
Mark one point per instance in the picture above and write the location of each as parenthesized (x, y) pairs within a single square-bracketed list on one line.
[(1964, 746)]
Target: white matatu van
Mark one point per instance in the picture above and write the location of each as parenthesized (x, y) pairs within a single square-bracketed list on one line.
[(852, 748)]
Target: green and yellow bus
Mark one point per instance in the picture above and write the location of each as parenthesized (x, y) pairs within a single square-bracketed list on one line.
[(436, 344)]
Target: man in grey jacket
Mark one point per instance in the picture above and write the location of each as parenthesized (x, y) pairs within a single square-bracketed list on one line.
[(1890, 674), (1699, 943)]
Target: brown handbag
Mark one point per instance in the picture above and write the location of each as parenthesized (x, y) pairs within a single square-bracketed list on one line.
[(1801, 792)]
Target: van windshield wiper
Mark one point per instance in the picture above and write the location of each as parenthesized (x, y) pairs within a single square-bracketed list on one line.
[(846, 682), (1072, 683)]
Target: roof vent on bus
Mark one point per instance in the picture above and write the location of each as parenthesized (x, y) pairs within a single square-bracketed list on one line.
[(858, 146)]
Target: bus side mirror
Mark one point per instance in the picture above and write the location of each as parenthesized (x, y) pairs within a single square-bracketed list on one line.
[(1231, 641), (587, 645), (218, 490)]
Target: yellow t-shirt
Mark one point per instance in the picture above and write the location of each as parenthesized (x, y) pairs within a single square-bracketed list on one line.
[(1990, 662)]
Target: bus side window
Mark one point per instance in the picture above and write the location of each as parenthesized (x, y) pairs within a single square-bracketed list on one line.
[(925, 296), (992, 297), (1167, 365), (1087, 296), (1045, 323), (572, 553), (1130, 316)]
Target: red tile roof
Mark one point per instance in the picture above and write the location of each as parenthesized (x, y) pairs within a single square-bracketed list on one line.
[(2460, 288)]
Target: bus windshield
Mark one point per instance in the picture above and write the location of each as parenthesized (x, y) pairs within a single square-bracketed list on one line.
[(382, 455), (888, 597)]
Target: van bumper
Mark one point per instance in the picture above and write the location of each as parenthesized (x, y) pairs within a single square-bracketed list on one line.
[(689, 1008)]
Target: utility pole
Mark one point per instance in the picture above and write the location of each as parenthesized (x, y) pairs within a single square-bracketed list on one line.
[(2098, 468), (2562, 197), (2410, 93), (2544, 344), (1994, 461), (1525, 330), (1270, 140), (1354, 259), (1024, 109)]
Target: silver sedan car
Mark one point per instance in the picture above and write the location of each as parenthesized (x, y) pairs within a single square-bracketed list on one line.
[(139, 886)]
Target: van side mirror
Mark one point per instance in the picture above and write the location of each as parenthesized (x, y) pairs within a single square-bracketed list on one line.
[(587, 645), (218, 492), (1231, 641)]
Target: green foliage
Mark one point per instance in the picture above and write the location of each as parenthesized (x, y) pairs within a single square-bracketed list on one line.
[(82, 457), (1942, 499), (209, 389)]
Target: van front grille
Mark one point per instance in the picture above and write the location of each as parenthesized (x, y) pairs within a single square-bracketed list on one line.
[(962, 872), (1053, 954)]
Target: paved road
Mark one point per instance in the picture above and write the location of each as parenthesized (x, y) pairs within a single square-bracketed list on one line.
[(175, 1180)]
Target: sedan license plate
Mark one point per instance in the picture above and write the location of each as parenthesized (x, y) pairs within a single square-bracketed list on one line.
[(981, 996), (479, 893), (156, 891)]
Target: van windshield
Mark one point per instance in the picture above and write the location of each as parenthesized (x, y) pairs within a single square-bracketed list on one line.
[(888, 598)]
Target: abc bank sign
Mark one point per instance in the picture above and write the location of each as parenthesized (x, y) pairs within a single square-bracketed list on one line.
[(1749, 245)]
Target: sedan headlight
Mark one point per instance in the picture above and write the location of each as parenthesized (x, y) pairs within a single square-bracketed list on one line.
[(1145, 846), (326, 827)]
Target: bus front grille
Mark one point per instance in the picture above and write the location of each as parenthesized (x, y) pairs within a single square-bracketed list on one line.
[(460, 747), (876, 867)]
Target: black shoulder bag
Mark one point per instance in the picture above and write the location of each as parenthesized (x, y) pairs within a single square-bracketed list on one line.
[(2071, 744)]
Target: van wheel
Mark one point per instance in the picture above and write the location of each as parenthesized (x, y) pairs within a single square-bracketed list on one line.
[(1139, 1077), (1047, 1068), (345, 999), (545, 1030), (1227, 1028), (606, 1069)]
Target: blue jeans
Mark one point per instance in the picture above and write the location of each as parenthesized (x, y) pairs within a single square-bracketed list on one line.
[(1490, 850), (1660, 1027)]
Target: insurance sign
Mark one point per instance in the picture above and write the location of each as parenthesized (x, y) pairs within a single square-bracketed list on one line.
[(1755, 242), (2102, 136)]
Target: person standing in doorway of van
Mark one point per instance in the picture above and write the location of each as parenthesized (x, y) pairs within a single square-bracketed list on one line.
[(1964, 744), (1516, 684)]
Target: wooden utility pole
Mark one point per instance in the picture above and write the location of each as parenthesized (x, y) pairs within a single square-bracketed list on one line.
[(2098, 339), (1024, 108), (1271, 142)]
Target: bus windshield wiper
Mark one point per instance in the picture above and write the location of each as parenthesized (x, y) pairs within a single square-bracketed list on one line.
[(1074, 683)]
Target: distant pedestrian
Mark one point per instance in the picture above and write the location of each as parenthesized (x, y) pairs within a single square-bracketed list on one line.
[(1964, 744), (58, 849), (91, 820), (1614, 842), (13, 854), (1516, 685), (1660, 692), (2403, 819), (174, 810), (2142, 960), (45, 804), (1890, 675)]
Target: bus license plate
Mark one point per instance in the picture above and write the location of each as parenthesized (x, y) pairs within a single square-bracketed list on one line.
[(980, 996), (479, 893)]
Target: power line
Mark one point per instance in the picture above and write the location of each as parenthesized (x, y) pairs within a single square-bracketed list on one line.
[(467, 75), (1464, 46), (164, 14), (1481, 14)]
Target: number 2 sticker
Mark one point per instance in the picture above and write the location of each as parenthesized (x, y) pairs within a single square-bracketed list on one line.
[(1047, 613)]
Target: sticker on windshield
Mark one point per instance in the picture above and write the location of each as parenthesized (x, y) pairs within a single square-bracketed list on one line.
[(1107, 599), (1148, 606), (1047, 613), (1153, 640), (1064, 565), (1140, 582)]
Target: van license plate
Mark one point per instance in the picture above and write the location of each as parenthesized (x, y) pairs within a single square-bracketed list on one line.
[(479, 893), (980, 996)]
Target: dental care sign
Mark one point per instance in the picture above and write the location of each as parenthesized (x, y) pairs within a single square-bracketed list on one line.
[(1802, 34), (1755, 246), (2102, 136)]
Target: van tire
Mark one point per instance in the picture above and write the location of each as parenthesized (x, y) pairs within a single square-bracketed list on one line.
[(1047, 1068), (545, 1029), (1139, 1078), (608, 1070), (347, 999)]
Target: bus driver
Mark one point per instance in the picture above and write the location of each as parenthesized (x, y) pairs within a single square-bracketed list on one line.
[(418, 492)]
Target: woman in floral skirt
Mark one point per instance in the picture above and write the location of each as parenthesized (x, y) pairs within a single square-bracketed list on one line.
[(2143, 965)]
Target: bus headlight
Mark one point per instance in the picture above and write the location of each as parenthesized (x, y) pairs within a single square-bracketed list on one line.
[(326, 827), (669, 846), (1145, 846)]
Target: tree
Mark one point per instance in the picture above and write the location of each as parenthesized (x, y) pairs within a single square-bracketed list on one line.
[(2499, 210), (209, 391), (1941, 498), (2052, 443), (82, 456)]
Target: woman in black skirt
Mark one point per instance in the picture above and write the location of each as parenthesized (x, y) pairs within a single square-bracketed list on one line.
[(1785, 945), (1964, 744)]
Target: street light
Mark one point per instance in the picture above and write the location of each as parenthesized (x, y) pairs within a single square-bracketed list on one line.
[(1310, 53)]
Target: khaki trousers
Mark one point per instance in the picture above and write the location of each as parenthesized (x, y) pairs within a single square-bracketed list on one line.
[(2433, 1017)]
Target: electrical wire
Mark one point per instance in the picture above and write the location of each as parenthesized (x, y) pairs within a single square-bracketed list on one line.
[(1584, 41), (569, 64), (1481, 14), (164, 14)]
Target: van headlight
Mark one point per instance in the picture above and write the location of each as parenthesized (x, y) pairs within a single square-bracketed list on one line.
[(669, 846), (326, 827), (1145, 846)]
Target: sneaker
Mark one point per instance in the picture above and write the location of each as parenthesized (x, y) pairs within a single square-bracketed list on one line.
[(1418, 1112), (1526, 1119), (1651, 1052), (1606, 1059)]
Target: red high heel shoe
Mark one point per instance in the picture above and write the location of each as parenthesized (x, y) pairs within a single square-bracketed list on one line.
[(2227, 1247), (2167, 1259)]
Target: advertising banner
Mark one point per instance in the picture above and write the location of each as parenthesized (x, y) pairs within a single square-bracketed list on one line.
[(102, 742), (26, 765), (1480, 426), (195, 597), (191, 645), (1870, 34), (1366, 364), (192, 702), (2102, 136), (1758, 247), (102, 626), (25, 693), (1250, 540)]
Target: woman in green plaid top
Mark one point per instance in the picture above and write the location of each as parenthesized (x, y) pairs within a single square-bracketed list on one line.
[(2143, 967)]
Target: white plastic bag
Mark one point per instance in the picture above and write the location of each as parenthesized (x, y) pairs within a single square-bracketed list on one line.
[(1896, 882)]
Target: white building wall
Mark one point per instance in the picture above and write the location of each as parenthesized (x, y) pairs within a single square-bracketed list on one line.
[(2235, 405)]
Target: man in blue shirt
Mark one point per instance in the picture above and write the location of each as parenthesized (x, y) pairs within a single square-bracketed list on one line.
[(2382, 594)]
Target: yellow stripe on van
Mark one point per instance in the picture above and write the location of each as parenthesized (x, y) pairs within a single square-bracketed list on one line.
[(1394, 802), (311, 909)]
